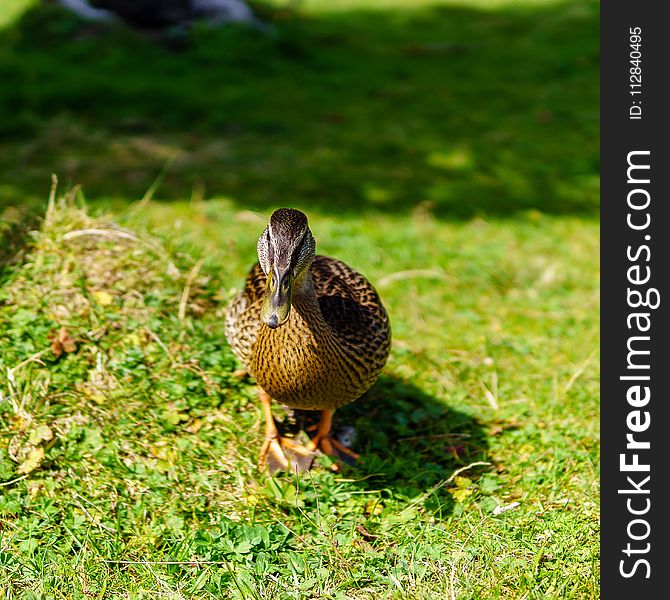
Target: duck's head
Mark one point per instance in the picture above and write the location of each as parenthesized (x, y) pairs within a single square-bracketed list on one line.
[(285, 252)]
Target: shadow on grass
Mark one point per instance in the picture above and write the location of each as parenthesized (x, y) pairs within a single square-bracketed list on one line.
[(409, 441), (463, 110)]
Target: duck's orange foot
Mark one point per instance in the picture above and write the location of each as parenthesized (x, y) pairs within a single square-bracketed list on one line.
[(284, 454), (332, 447)]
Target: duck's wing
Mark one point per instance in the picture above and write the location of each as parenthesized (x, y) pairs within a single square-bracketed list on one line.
[(243, 319), (351, 306)]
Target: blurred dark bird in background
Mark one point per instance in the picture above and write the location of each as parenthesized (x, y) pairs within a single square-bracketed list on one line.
[(162, 14)]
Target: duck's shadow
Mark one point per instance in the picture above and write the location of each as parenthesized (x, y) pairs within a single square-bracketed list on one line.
[(409, 441)]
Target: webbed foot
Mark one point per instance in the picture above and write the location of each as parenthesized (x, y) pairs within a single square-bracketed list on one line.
[(284, 454), (326, 443)]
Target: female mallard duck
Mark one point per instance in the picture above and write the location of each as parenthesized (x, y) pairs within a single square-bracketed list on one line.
[(311, 331)]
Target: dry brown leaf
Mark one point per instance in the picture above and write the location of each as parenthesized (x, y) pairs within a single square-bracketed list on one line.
[(62, 342)]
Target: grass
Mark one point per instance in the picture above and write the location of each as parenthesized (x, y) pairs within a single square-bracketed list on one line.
[(138, 444), (449, 152), (474, 111)]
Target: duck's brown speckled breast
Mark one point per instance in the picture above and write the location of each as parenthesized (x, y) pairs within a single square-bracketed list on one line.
[(329, 352)]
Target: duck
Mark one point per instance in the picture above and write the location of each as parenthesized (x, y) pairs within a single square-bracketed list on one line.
[(313, 333)]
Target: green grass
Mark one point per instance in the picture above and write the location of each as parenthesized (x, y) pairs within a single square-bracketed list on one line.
[(149, 442), (449, 152), (474, 111)]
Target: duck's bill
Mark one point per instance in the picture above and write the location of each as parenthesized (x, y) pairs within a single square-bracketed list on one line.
[(277, 304)]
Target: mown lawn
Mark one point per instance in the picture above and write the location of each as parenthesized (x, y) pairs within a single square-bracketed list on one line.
[(447, 150)]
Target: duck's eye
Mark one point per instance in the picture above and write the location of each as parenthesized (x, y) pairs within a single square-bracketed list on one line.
[(284, 285)]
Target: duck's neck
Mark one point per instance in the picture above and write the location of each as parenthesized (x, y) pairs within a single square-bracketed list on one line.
[(307, 309), (305, 302)]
